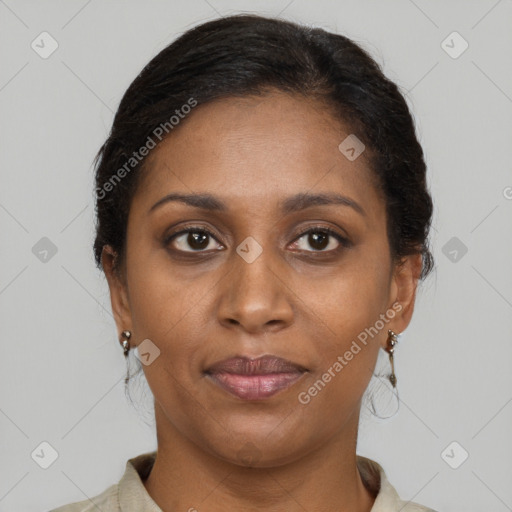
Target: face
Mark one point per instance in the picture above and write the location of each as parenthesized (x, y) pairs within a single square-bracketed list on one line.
[(284, 254)]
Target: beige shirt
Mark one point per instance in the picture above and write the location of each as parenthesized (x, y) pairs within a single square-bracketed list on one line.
[(130, 495)]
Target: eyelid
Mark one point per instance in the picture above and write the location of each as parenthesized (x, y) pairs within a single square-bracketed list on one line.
[(190, 229), (319, 227), (343, 240)]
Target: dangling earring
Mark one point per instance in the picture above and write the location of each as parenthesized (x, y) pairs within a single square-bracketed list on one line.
[(126, 348), (391, 342), (125, 343), (383, 399)]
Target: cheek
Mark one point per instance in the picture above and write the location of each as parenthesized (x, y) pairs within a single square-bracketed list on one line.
[(169, 313), (160, 301), (165, 312), (346, 310), (348, 300)]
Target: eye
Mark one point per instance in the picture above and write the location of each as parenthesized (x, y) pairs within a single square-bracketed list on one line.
[(320, 239), (193, 239)]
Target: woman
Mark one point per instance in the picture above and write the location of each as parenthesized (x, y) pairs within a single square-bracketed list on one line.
[(263, 218)]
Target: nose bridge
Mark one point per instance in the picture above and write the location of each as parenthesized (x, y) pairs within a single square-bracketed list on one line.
[(254, 296)]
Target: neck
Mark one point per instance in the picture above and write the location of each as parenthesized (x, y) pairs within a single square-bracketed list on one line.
[(185, 477)]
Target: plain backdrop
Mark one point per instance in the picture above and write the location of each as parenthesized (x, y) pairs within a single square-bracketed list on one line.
[(62, 369)]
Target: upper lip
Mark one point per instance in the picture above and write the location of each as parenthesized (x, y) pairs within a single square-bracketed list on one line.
[(264, 365)]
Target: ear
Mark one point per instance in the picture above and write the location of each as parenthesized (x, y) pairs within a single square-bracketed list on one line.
[(404, 282), (118, 290)]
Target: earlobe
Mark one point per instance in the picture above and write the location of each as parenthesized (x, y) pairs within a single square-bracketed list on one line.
[(118, 292)]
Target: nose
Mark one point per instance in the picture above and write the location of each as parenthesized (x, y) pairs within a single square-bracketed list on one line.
[(254, 296)]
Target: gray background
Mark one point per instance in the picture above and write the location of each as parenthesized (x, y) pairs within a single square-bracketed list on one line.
[(62, 368)]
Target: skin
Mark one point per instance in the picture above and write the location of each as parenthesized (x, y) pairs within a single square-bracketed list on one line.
[(297, 300)]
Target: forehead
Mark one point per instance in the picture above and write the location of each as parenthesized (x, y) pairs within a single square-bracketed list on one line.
[(257, 148)]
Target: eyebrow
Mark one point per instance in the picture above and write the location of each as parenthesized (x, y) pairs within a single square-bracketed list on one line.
[(306, 200), (291, 204)]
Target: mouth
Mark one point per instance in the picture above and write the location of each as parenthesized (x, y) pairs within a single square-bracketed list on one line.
[(255, 379)]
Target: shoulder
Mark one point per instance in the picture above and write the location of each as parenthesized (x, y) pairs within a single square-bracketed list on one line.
[(107, 501), (409, 506), (387, 498), (129, 494)]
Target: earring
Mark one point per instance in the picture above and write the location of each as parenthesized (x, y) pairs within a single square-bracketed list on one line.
[(125, 343), (383, 399), (391, 342)]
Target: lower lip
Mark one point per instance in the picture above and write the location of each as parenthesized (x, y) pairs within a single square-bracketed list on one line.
[(255, 387)]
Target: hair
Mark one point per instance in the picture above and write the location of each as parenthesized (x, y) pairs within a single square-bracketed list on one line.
[(246, 55)]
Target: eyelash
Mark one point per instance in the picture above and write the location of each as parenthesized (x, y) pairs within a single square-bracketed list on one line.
[(344, 242)]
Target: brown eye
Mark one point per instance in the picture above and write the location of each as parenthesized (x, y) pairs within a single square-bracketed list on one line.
[(192, 240), (197, 241), (320, 240)]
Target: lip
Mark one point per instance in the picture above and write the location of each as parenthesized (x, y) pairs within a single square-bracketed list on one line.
[(255, 378)]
